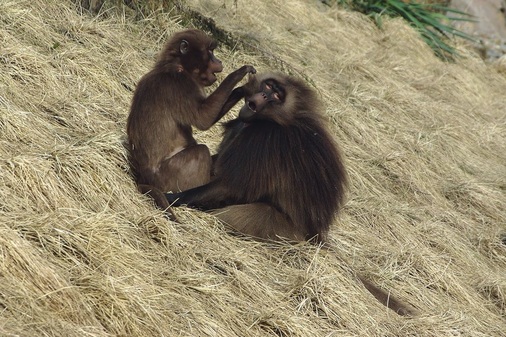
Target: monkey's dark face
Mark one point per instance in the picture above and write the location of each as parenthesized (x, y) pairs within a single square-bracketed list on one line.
[(197, 58), (266, 102), (277, 98), (214, 65)]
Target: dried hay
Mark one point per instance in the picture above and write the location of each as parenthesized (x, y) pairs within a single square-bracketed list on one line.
[(83, 254)]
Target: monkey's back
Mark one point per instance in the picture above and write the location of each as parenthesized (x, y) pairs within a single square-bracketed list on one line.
[(296, 168), (156, 122)]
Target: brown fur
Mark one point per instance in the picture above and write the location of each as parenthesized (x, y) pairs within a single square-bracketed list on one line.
[(167, 102), (278, 172)]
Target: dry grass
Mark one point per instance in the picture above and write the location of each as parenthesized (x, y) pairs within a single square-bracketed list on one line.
[(83, 254)]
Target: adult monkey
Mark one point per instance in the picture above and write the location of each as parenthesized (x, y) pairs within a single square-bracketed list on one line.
[(278, 172), (167, 102)]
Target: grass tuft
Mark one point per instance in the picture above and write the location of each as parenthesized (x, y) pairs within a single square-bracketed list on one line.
[(428, 19)]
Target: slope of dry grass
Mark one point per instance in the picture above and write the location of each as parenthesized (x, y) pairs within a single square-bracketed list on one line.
[(83, 254)]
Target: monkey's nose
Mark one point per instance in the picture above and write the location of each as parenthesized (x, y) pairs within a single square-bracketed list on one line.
[(252, 106)]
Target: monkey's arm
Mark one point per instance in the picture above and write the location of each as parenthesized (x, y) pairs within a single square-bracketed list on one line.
[(210, 196), (220, 101), (236, 95)]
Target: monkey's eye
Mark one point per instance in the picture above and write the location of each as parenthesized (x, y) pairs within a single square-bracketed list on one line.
[(268, 86), (276, 96)]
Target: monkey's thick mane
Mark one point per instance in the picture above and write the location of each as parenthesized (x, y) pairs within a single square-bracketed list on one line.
[(299, 163)]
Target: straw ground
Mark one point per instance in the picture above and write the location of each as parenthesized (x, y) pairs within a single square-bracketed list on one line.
[(83, 254)]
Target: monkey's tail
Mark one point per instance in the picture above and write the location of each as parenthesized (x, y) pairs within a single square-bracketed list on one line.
[(159, 198), (384, 298)]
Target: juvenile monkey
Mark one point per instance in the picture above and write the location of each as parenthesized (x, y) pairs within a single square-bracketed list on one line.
[(170, 100)]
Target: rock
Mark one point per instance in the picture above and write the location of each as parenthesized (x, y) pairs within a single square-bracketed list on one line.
[(490, 28)]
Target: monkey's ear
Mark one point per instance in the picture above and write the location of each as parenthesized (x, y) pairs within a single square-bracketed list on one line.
[(184, 47)]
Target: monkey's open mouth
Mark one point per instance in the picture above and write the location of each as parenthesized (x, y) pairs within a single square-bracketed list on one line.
[(252, 106)]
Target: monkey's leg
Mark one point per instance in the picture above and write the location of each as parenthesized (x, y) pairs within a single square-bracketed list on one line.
[(260, 220), (210, 196), (185, 170)]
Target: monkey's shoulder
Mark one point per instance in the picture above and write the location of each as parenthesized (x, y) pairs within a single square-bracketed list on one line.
[(165, 92), (177, 81)]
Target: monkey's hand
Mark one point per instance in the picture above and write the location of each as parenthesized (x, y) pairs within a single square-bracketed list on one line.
[(247, 69), (233, 78)]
